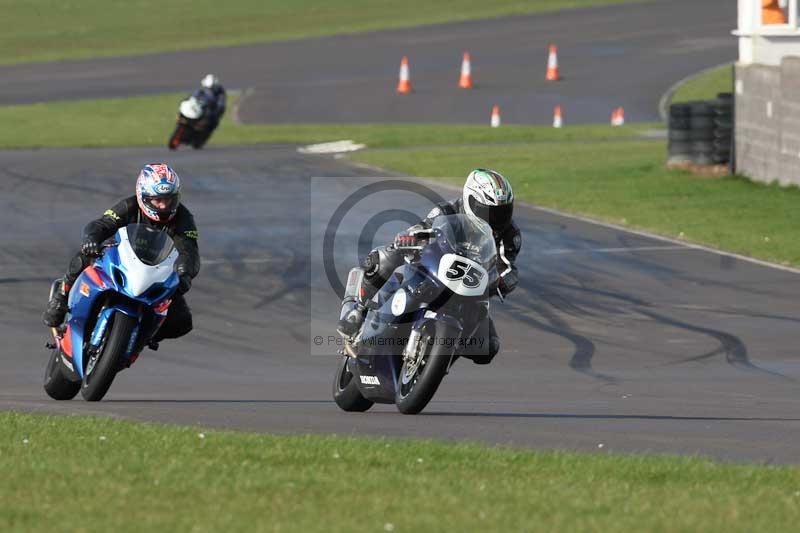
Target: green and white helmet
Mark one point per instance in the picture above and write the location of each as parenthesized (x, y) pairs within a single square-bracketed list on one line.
[(488, 195)]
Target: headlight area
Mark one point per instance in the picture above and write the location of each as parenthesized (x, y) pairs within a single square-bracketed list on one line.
[(399, 302)]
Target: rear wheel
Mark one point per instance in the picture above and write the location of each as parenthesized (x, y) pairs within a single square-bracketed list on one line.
[(420, 378), (345, 389), (102, 367), (59, 383)]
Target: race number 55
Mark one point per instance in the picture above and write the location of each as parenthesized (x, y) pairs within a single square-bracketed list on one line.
[(459, 269)]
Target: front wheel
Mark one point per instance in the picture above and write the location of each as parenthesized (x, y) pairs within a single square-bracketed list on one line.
[(345, 389), (102, 368), (175, 138), (58, 383), (420, 378)]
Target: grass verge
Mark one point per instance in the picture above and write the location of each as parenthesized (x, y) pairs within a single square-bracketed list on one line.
[(705, 86), (47, 30), (132, 477), (149, 120)]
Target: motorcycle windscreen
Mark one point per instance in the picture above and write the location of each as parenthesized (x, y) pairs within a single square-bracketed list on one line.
[(151, 245), (466, 236)]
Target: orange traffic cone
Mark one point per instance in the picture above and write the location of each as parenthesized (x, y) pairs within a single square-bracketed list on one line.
[(466, 73), (557, 120), (495, 122), (552, 64), (618, 117), (404, 85)]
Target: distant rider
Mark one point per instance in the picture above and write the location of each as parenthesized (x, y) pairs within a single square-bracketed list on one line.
[(212, 93), (156, 203), (488, 195)]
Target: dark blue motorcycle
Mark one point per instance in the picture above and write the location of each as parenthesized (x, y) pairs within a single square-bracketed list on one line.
[(115, 306), (419, 320)]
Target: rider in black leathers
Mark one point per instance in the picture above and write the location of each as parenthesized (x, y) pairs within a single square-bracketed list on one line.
[(173, 217), (212, 93), (488, 195)]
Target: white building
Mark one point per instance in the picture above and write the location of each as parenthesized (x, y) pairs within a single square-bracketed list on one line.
[(768, 91)]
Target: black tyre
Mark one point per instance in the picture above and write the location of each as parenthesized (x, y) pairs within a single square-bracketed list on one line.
[(723, 124), (345, 389), (417, 384), (701, 108), (679, 110), (59, 382), (679, 134), (720, 158), (702, 159), (702, 135), (175, 138), (102, 368), (702, 147), (701, 123), (722, 144), (679, 148), (680, 123)]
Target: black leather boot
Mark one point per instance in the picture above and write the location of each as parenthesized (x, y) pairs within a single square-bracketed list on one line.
[(57, 306)]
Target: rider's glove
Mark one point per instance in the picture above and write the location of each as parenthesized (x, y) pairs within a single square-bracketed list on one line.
[(508, 282), (404, 240), (184, 283), (90, 248)]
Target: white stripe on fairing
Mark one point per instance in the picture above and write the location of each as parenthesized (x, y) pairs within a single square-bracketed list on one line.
[(567, 251)]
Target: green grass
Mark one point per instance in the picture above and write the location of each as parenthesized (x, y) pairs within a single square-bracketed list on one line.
[(93, 474), (705, 86), (46, 30), (148, 121)]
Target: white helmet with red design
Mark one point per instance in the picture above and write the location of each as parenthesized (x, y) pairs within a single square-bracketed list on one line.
[(158, 192), (488, 195)]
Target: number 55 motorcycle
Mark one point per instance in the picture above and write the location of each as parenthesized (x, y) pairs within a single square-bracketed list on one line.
[(425, 312), (115, 307)]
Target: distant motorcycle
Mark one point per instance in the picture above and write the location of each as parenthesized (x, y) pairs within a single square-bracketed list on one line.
[(194, 125), (115, 307), (426, 311)]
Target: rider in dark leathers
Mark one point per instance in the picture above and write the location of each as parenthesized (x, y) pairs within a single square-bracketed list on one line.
[(488, 195), (214, 96), (142, 208)]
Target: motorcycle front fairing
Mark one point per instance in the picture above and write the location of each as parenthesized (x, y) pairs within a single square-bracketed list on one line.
[(117, 282)]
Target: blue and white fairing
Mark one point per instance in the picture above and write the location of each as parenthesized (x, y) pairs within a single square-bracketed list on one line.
[(135, 276)]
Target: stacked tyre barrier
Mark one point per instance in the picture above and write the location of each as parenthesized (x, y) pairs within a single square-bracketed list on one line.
[(701, 133)]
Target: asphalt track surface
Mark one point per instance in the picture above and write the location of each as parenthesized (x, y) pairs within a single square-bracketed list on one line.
[(615, 342), (609, 56)]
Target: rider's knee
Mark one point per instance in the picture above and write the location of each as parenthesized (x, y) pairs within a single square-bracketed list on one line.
[(379, 264)]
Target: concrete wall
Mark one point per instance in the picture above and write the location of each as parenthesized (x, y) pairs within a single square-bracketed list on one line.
[(768, 121)]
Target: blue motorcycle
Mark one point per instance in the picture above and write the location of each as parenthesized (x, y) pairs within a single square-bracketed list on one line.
[(115, 306), (416, 324)]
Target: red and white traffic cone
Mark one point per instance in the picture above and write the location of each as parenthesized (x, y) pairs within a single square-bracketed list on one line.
[(404, 85), (495, 121), (553, 73), (618, 117), (558, 121), (465, 82)]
